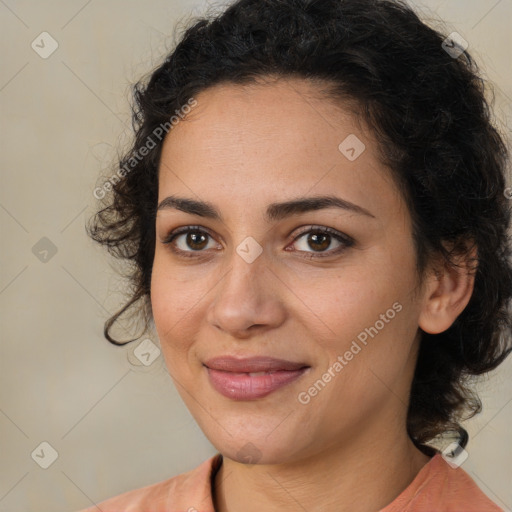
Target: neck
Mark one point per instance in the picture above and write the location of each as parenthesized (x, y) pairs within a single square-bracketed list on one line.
[(357, 475)]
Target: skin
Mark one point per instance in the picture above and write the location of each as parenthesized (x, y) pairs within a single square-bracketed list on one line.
[(241, 148)]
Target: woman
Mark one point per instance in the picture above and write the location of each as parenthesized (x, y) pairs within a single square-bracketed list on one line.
[(315, 207)]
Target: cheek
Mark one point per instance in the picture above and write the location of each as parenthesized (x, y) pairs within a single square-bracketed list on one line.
[(369, 359), (175, 292), (175, 305), (355, 300), (368, 309)]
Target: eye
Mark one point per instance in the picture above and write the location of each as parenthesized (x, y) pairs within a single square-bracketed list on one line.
[(195, 239), (320, 238)]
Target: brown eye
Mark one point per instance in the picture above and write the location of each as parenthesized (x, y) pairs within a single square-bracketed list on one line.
[(188, 240), (320, 239), (191, 241), (196, 240)]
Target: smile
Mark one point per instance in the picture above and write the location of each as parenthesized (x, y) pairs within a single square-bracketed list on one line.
[(251, 378)]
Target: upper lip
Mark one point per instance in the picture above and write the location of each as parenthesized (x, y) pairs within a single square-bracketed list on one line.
[(252, 364)]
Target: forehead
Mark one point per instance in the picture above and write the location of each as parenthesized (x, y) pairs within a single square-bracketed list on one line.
[(263, 109), (298, 105), (280, 139)]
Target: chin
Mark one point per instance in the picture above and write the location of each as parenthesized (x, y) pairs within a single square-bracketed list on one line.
[(255, 448)]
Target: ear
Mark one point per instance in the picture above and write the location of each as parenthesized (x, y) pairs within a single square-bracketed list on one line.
[(447, 292)]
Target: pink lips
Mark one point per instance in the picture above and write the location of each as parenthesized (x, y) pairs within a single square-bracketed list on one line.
[(234, 378)]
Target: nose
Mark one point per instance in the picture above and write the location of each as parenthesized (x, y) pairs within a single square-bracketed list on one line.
[(248, 296)]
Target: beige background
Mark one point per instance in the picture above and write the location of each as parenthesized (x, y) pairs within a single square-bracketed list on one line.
[(116, 425)]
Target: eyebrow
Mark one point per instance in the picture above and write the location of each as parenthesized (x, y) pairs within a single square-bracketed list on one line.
[(275, 211)]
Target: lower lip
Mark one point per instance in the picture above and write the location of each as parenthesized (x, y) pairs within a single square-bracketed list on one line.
[(242, 386)]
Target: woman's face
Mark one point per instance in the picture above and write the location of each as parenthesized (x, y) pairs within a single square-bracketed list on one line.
[(248, 284)]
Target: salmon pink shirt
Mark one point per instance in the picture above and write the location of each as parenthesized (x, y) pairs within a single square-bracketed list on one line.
[(436, 488)]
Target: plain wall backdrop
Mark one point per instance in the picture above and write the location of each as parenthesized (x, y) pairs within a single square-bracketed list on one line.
[(114, 423)]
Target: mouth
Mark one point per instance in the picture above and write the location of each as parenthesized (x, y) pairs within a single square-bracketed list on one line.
[(251, 378)]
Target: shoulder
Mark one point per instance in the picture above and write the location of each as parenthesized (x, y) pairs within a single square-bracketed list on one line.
[(187, 491), (440, 487)]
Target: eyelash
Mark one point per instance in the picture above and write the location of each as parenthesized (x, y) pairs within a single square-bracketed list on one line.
[(344, 239)]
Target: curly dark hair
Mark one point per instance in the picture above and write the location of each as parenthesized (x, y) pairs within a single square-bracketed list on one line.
[(429, 112)]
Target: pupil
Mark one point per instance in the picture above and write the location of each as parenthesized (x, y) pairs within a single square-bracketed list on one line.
[(315, 237), (192, 237)]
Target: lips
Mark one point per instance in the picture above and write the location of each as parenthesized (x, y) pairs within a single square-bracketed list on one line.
[(251, 378), (252, 364)]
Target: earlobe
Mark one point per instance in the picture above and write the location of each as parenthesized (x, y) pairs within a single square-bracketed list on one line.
[(447, 292)]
